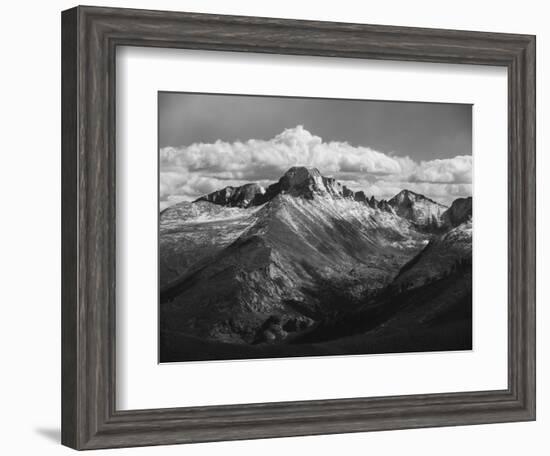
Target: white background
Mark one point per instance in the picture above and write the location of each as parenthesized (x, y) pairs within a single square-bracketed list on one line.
[(30, 239), (144, 384)]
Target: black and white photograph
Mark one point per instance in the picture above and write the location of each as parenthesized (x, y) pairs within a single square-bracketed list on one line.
[(310, 227)]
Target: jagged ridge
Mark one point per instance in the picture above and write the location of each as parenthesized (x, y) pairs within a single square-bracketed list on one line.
[(306, 182)]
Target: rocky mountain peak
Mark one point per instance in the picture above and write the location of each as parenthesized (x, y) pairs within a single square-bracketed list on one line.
[(417, 208), (298, 181), (298, 175), (408, 196), (307, 181)]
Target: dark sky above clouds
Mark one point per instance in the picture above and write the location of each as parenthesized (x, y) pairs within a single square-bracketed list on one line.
[(209, 141)]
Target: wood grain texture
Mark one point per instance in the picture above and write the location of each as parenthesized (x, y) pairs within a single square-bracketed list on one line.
[(89, 39), (69, 175)]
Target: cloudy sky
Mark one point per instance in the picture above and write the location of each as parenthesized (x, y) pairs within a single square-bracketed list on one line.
[(208, 142)]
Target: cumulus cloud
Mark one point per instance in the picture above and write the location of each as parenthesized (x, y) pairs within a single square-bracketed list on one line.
[(191, 171), (450, 170)]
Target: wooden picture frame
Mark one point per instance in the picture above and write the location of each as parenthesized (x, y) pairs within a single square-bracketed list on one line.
[(90, 36)]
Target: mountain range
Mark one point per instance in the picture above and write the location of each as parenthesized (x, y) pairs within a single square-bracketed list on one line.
[(308, 266)]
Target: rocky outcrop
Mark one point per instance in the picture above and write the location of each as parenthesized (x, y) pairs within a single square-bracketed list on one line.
[(384, 205), (459, 212), (360, 197), (243, 196)]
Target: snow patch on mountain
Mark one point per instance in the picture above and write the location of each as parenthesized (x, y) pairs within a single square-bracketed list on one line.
[(190, 232)]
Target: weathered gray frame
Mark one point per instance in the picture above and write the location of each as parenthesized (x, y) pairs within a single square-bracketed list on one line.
[(90, 36)]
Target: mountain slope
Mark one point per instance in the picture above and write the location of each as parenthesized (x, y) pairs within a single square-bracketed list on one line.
[(446, 252), (299, 260), (443, 255), (304, 254), (192, 232)]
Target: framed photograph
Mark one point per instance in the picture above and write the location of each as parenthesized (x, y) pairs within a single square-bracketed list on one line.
[(280, 228)]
